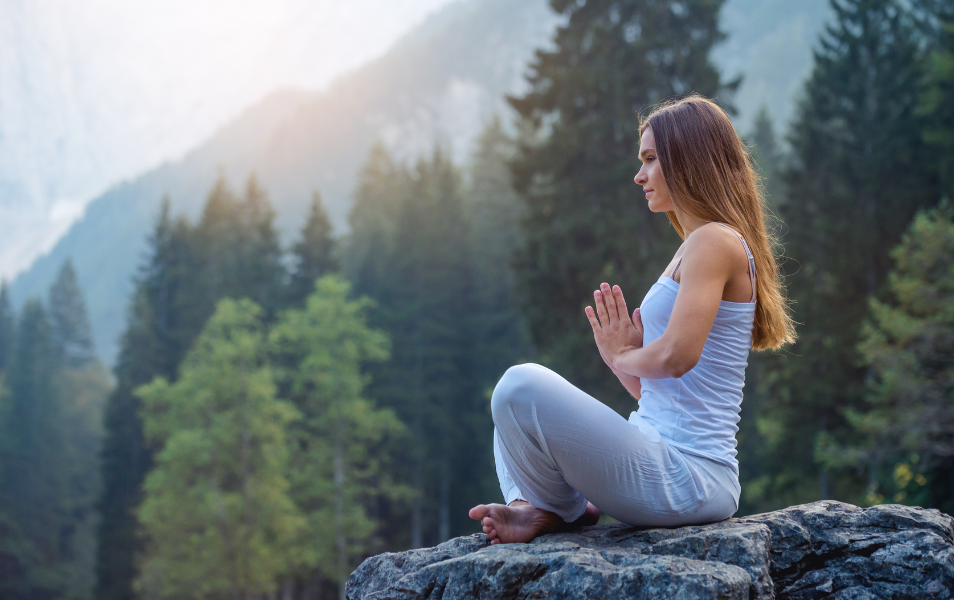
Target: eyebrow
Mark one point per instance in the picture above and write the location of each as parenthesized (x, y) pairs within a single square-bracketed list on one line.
[(646, 151)]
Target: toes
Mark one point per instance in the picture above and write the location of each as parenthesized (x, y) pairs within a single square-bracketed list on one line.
[(479, 512), (492, 535)]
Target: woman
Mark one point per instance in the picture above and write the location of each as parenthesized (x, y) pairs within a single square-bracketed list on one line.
[(560, 453)]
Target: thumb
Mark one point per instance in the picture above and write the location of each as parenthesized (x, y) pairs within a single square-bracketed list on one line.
[(637, 320)]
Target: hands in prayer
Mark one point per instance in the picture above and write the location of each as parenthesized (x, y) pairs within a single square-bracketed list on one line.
[(613, 330)]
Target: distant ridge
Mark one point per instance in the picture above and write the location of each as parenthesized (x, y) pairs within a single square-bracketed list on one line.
[(440, 82)]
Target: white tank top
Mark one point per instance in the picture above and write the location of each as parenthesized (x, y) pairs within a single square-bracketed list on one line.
[(698, 413)]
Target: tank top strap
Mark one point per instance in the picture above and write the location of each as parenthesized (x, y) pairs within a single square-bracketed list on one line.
[(748, 253)]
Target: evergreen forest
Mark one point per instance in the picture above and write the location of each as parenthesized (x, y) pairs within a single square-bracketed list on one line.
[(279, 412)]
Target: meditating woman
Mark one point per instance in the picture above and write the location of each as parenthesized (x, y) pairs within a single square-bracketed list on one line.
[(561, 453)]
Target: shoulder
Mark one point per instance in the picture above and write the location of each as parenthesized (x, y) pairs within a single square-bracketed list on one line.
[(715, 247)]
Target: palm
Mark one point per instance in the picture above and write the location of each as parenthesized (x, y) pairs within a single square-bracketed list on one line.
[(614, 330)]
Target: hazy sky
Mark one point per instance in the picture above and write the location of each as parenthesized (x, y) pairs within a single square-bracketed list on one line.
[(98, 91)]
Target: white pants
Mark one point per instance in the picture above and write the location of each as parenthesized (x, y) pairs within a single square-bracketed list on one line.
[(557, 447)]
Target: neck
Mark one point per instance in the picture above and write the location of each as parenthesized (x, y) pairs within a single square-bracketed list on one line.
[(689, 223)]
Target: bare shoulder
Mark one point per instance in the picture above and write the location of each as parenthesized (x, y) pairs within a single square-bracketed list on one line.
[(715, 246)]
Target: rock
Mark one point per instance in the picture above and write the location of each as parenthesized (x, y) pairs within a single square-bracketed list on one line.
[(825, 549), (836, 550)]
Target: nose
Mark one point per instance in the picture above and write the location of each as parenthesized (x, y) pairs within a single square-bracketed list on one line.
[(641, 178)]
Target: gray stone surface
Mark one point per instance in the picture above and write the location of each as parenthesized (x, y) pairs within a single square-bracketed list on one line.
[(825, 549)]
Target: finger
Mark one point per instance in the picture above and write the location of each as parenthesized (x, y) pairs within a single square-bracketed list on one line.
[(591, 317), (620, 303), (611, 309), (601, 308), (638, 321)]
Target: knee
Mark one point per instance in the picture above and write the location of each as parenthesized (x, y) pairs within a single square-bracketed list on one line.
[(514, 389)]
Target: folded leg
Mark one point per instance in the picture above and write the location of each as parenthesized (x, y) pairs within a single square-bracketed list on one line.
[(557, 446)]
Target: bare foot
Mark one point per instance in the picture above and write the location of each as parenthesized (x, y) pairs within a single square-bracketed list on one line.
[(514, 524), (520, 523)]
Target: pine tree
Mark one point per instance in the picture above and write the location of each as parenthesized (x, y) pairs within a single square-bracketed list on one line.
[(585, 221), (421, 273), (428, 293), (314, 253), (937, 99), (233, 252), (7, 328), (155, 339), (216, 515), (497, 332), (71, 331), (767, 154), (378, 198), (338, 467), (34, 472), (83, 387), (237, 253), (860, 173), (908, 342)]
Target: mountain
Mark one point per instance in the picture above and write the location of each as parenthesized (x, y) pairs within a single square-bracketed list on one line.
[(440, 83), (95, 91)]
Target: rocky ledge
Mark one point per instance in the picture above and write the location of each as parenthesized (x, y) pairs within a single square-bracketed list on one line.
[(825, 549)]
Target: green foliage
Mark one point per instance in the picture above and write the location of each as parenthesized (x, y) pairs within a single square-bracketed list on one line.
[(435, 258), (860, 172), (153, 343), (908, 343), (71, 332), (493, 211), (7, 328), (767, 154), (585, 221), (937, 99), (50, 431), (34, 483), (216, 515), (373, 218), (232, 252), (314, 253), (339, 465), (426, 295)]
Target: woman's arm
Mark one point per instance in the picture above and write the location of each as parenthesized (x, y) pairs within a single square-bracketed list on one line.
[(708, 262)]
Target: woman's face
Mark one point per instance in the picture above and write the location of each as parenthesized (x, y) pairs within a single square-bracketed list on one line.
[(650, 176)]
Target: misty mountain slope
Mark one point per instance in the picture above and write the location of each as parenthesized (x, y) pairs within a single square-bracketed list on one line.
[(770, 43), (441, 82), (108, 242)]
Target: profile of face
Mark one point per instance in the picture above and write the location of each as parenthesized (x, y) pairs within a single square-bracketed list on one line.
[(650, 175)]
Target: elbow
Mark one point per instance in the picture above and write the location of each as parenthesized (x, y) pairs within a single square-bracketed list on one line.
[(676, 364)]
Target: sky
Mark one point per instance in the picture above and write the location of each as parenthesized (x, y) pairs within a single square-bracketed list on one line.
[(95, 92)]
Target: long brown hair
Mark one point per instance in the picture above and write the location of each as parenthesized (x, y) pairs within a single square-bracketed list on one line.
[(710, 176)]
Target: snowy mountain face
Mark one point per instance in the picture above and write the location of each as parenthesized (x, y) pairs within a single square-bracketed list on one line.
[(98, 91)]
